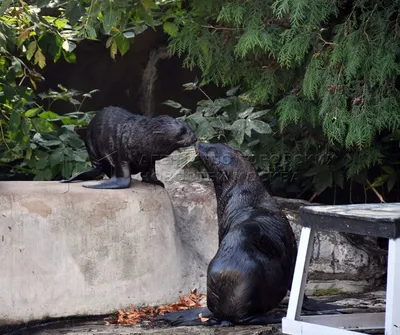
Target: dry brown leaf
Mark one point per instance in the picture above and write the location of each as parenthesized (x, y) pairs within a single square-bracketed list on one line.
[(202, 319), (136, 315)]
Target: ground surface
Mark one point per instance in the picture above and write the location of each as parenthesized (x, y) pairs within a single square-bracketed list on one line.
[(371, 302)]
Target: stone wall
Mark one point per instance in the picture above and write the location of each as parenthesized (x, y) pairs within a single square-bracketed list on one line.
[(340, 262), (67, 250), (336, 263)]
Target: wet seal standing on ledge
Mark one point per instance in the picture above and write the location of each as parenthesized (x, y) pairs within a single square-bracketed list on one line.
[(253, 268), (120, 143)]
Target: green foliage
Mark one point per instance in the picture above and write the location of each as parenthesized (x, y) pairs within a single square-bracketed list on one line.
[(327, 70), (35, 141), (232, 120), (39, 142)]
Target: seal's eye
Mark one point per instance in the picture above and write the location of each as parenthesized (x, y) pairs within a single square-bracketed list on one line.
[(182, 131), (225, 159)]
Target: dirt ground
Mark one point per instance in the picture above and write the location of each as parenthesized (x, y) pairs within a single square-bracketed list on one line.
[(96, 325)]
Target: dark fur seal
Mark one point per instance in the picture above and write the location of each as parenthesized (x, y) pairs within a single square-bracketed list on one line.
[(120, 144), (253, 268)]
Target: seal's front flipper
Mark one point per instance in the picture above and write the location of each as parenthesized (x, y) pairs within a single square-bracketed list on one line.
[(154, 182), (188, 317), (113, 183), (313, 305), (150, 176)]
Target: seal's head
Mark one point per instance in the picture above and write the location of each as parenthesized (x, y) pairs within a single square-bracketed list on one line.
[(184, 135), (225, 164), (172, 133)]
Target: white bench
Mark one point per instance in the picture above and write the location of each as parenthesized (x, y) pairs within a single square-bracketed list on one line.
[(378, 220)]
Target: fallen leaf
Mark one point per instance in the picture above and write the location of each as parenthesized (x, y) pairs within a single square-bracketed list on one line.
[(203, 319), (137, 315)]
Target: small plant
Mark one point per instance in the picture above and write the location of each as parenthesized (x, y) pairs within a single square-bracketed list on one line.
[(39, 142), (232, 119)]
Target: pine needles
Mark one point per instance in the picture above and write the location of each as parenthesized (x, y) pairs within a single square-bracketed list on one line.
[(321, 63)]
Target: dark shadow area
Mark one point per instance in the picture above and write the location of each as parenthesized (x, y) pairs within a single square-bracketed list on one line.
[(120, 81)]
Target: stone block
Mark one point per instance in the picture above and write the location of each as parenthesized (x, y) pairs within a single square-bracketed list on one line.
[(68, 250)]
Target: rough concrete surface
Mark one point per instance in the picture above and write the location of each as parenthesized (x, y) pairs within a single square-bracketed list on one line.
[(336, 263), (68, 250)]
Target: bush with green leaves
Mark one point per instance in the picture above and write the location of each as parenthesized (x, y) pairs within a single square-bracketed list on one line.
[(326, 71), (293, 162), (231, 120), (36, 142)]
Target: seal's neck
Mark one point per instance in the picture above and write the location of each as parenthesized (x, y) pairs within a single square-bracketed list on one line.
[(235, 201)]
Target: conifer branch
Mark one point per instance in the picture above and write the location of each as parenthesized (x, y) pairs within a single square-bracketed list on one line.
[(375, 191), (219, 28), (325, 42), (346, 32), (362, 105), (366, 22)]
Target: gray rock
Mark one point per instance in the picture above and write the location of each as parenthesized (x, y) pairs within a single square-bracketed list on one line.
[(337, 262), (196, 223), (67, 250), (340, 262)]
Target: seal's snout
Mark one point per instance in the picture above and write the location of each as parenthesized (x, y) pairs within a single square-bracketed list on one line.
[(190, 140), (193, 139), (199, 147)]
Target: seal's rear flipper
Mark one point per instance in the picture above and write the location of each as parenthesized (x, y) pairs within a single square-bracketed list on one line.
[(90, 174), (112, 183), (189, 317), (263, 319), (313, 305)]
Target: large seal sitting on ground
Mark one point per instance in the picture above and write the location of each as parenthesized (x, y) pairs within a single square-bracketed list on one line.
[(253, 268), (120, 144)]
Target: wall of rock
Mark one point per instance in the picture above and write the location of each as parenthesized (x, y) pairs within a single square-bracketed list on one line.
[(340, 262)]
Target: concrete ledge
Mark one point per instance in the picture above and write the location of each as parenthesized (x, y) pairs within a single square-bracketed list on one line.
[(68, 250)]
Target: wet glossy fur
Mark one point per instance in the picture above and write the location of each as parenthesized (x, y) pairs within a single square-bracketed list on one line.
[(120, 143), (252, 270)]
